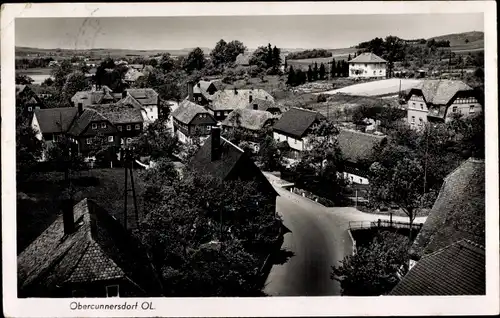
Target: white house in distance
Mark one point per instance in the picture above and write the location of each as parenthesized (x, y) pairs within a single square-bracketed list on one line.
[(367, 65), (439, 100)]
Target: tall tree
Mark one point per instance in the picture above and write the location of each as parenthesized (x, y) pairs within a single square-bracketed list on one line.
[(339, 68), (194, 61), (373, 270), (75, 82), (322, 71), (349, 57), (232, 50), (218, 54), (269, 59), (315, 71), (167, 63), (310, 75), (292, 78), (276, 57), (333, 69)]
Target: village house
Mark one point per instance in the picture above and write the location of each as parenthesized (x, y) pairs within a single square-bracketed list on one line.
[(437, 101), (145, 99), (222, 159), (294, 128), (457, 269), (447, 256), (26, 96), (112, 124), (191, 120), (225, 101), (252, 121), (132, 75), (357, 148), (204, 90), (43, 92), (85, 252), (243, 59), (367, 65)]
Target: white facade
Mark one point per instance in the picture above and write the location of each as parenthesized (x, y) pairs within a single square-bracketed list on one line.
[(150, 113), (367, 70), (297, 144), (353, 178), (468, 106)]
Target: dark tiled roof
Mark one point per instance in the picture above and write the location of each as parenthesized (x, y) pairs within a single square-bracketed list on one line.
[(54, 120), (248, 119), (229, 99), (81, 123), (145, 96), (92, 97), (296, 121), (367, 58), (357, 146), (119, 113), (439, 92), (458, 212), (458, 269), (130, 101), (187, 110), (233, 164), (99, 249)]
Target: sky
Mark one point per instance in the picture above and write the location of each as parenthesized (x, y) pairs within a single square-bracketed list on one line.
[(307, 31)]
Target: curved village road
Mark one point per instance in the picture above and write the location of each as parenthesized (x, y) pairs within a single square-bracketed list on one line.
[(318, 240)]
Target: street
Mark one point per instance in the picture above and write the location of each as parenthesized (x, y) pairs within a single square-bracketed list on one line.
[(318, 240)]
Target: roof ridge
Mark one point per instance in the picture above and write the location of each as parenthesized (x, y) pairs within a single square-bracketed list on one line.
[(459, 242), (305, 109), (222, 138), (471, 243)]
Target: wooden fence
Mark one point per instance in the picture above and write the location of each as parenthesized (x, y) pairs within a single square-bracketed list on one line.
[(354, 225)]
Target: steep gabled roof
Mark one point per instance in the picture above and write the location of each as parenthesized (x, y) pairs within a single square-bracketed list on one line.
[(230, 99), (248, 119), (119, 113), (98, 249), (297, 121), (145, 96), (55, 120), (262, 104), (458, 269), (357, 146), (130, 101), (187, 110), (458, 212), (233, 164), (80, 124), (440, 92), (367, 58)]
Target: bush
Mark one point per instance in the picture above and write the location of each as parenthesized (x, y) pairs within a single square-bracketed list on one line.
[(254, 71), (321, 98)]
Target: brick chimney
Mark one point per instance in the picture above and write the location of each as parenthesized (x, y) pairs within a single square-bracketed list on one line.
[(216, 148), (68, 216), (250, 98), (190, 91), (235, 91)]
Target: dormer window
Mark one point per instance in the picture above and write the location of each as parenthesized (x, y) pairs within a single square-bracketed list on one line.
[(94, 126)]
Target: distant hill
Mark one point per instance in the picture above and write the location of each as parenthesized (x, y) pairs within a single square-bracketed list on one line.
[(459, 39)]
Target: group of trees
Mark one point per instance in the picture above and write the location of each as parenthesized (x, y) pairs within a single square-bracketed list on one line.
[(337, 69), (225, 53), (309, 54), (38, 62), (206, 237), (266, 57)]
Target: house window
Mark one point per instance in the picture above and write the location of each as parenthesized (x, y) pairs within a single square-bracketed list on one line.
[(119, 128), (129, 140), (94, 126), (209, 128), (110, 138), (366, 65), (421, 121), (137, 127), (295, 141), (129, 127), (199, 99), (89, 141), (374, 72), (471, 109), (103, 125), (112, 291), (421, 106), (412, 119), (30, 109), (454, 109)]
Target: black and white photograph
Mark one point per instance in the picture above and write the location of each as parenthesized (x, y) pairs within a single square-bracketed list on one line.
[(248, 155)]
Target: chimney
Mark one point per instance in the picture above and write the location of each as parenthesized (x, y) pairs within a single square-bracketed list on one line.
[(255, 106), (68, 216), (250, 98), (235, 91), (216, 148), (80, 109), (190, 91), (124, 93)]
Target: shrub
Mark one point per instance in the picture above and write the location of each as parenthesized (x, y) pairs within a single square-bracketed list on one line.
[(321, 98)]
